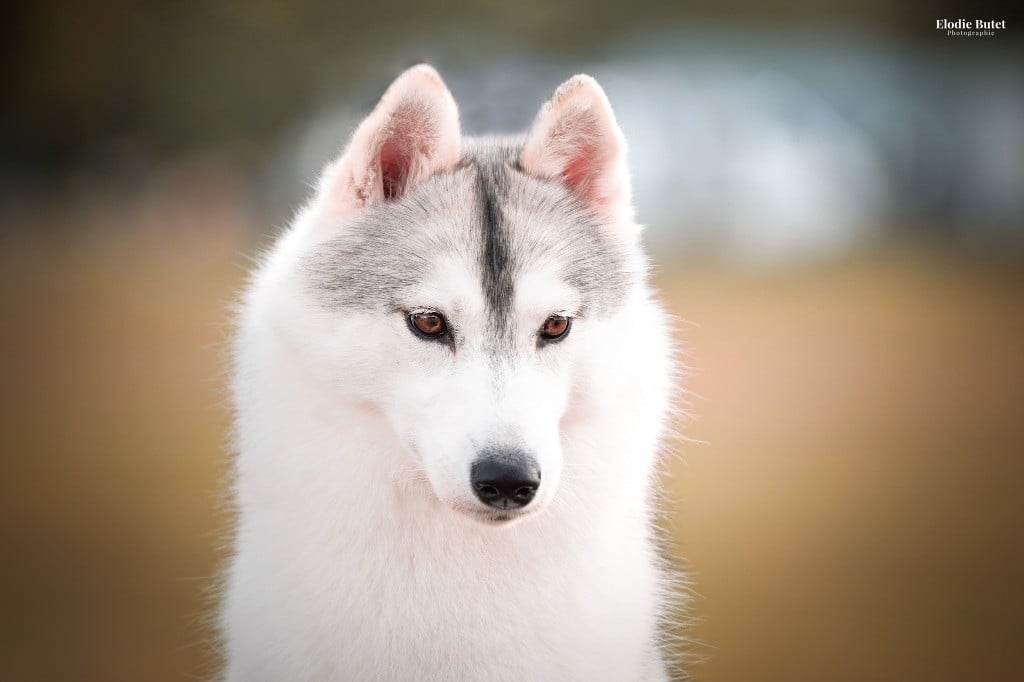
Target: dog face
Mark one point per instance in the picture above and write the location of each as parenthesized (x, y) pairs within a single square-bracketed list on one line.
[(458, 284)]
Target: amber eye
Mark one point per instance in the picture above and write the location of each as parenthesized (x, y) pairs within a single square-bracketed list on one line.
[(555, 328), (428, 324)]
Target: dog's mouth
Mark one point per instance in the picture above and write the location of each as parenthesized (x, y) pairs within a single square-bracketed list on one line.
[(495, 517)]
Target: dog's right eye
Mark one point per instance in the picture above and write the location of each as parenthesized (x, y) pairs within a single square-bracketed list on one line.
[(427, 324)]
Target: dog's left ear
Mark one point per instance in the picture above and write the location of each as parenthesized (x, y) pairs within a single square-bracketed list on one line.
[(577, 141)]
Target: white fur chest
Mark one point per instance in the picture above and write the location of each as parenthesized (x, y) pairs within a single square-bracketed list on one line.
[(414, 592)]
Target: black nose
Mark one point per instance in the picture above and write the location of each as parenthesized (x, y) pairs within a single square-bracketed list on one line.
[(505, 480)]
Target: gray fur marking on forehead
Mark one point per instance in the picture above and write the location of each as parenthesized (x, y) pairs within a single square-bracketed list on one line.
[(384, 253), (529, 221), (496, 266), (495, 216)]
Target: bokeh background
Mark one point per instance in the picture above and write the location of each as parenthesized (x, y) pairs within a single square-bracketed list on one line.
[(834, 195)]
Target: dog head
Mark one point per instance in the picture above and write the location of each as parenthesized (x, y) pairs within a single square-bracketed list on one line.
[(459, 285)]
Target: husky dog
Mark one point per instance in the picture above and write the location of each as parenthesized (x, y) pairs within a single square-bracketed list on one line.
[(450, 383)]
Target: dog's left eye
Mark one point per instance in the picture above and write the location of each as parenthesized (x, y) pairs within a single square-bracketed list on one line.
[(555, 328)]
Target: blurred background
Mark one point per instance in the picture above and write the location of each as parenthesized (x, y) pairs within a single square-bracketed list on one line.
[(834, 199)]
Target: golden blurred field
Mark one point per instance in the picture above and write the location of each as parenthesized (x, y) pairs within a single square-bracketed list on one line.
[(853, 512)]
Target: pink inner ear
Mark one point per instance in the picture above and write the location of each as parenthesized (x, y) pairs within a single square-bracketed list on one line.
[(408, 144), (579, 172), (394, 167), (576, 139)]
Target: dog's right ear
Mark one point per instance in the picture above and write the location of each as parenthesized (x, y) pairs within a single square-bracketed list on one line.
[(411, 134)]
